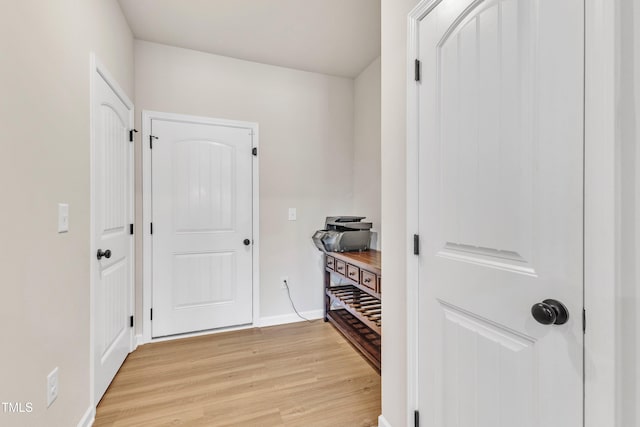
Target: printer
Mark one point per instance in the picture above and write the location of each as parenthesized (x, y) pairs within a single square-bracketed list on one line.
[(343, 234)]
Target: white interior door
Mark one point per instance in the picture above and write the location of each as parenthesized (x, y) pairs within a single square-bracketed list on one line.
[(500, 212), (202, 226), (113, 212)]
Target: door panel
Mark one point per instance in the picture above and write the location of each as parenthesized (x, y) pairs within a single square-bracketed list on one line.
[(208, 167), (487, 372), (202, 213), (112, 197), (114, 179), (487, 161), (115, 296), (500, 212), (204, 278)]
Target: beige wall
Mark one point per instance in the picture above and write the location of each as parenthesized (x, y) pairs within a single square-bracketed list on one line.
[(44, 132), (394, 246), (306, 151), (366, 148)]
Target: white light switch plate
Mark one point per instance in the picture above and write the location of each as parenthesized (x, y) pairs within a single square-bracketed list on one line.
[(63, 217), (292, 214)]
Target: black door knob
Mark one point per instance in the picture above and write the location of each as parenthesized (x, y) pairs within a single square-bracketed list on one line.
[(550, 312), (106, 254), (246, 242)]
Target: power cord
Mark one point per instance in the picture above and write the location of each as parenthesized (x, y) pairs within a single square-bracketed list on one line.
[(286, 285), (336, 302)]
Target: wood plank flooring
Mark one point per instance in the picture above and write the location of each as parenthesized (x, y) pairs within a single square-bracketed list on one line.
[(301, 374)]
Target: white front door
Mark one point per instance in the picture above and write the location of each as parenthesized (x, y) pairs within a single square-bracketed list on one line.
[(202, 226), (500, 213), (113, 212)]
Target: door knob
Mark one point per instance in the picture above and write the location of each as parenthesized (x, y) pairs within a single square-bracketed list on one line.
[(106, 254), (246, 242), (550, 312)]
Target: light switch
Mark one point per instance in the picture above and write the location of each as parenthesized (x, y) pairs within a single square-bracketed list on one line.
[(292, 214), (63, 217)]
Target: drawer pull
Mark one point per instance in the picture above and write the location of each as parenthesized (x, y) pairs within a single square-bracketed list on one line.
[(367, 280), (330, 261)]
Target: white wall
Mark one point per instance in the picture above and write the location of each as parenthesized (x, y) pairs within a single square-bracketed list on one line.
[(366, 148), (628, 140), (306, 150), (394, 246), (44, 132)]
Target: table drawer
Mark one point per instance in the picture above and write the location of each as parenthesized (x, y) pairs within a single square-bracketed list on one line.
[(353, 272), (368, 279), (341, 267), (331, 262)]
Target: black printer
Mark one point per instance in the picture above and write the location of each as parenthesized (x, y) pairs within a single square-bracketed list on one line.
[(343, 234)]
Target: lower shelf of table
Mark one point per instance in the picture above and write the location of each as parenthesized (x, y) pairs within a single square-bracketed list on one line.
[(361, 336), (362, 305)]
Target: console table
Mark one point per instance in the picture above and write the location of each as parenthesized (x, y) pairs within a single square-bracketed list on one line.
[(353, 285)]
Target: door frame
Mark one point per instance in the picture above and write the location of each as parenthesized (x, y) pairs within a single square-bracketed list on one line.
[(601, 239), (147, 242), (98, 70)]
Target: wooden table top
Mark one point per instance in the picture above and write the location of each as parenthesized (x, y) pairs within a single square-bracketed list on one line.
[(369, 260)]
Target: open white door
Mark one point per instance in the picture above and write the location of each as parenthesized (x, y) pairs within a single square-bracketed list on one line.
[(500, 213), (112, 190), (202, 226)]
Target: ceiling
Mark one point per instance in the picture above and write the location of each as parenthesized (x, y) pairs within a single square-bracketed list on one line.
[(337, 37)]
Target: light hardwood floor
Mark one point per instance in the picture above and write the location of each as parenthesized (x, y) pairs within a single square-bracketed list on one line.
[(302, 374)]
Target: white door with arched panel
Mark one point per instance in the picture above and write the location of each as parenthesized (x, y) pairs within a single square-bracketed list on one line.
[(202, 226), (112, 251), (500, 213)]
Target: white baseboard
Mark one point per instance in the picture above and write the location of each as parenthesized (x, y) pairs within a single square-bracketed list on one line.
[(197, 334), (88, 418), (261, 323), (382, 422), (288, 318)]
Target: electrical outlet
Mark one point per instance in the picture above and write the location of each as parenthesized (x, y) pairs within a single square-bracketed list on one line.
[(52, 387), (282, 280)]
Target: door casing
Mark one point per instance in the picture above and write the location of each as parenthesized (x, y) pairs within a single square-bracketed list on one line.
[(147, 242), (98, 70), (600, 211)]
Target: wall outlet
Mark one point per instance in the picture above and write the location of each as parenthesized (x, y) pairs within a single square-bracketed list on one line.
[(282, 280), (293, 214), (52, 387)]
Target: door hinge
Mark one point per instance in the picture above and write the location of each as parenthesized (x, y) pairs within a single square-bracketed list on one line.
[(131, 229), (416, 419), (131, 132), (416, 244), (131, 321), (152, 314), (584, 321), (254, 151), (417, 70), (151, 228), (151, 138)]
